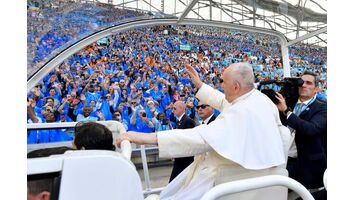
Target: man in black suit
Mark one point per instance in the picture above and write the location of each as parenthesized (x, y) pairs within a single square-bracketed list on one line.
[(308, 123), (183, 122), (206, 113)]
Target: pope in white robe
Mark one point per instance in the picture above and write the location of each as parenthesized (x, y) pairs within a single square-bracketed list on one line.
[(245, 137)]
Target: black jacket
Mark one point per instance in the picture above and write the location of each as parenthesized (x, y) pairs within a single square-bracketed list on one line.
[(311, 143), (181, 163)]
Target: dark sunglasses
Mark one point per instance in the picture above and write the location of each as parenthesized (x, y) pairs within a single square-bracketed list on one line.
[(203, 106)]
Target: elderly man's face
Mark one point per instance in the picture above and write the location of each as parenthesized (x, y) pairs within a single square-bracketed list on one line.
[(178, 109), (229, 86), (204, 111)]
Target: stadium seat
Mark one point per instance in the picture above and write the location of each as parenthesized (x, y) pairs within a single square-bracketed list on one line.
[(228, 173)]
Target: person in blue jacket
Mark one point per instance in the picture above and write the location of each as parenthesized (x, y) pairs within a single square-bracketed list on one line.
[(140, 122), (44, 136)]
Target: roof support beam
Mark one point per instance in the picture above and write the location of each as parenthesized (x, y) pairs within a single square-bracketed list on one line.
[(187, 10), (123, 3), (211, 10), (305, 37), (318, 5), (151, 6), (220, 6), (254, 11), (194, 9)]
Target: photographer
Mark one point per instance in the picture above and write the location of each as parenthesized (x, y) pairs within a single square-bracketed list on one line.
[(140, 123), (308, 123), (162, 123)]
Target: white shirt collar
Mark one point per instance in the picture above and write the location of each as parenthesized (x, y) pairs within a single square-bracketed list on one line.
[(181, 116), (207, 120), (307, 101)]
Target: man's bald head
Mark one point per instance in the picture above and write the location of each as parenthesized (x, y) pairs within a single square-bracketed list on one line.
[(238, 79), (179, 108), (243, 73)]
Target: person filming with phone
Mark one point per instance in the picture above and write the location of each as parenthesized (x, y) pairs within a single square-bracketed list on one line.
[(139, 120), (163, 123)]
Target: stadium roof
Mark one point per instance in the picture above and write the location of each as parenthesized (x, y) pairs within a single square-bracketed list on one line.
[(293, 18)]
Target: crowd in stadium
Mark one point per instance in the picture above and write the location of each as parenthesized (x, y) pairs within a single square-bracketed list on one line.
[(141, 72), (50, 26)]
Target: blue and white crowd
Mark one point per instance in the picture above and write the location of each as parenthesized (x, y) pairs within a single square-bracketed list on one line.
[(136, 76), (54, 25)]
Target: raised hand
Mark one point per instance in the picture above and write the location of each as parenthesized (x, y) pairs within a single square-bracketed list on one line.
[(31, 103), (115, 87), (82, 97), (64, 100), (53, 78), (194, 76), (36, 92), (101, 115)]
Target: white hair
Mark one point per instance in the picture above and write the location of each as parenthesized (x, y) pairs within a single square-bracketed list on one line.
[(243, 74)]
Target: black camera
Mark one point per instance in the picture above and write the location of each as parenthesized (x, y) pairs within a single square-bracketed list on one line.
[(144, 114), (289, 90), (165, 122)]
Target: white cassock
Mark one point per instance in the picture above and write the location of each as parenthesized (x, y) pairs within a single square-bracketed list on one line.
[(245, 135)]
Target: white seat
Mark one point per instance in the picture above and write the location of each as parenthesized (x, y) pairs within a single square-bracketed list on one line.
[(228, 173), (252, 184), (91, 175)]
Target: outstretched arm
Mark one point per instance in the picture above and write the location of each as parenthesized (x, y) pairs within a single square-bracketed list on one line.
[(137, 138)]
